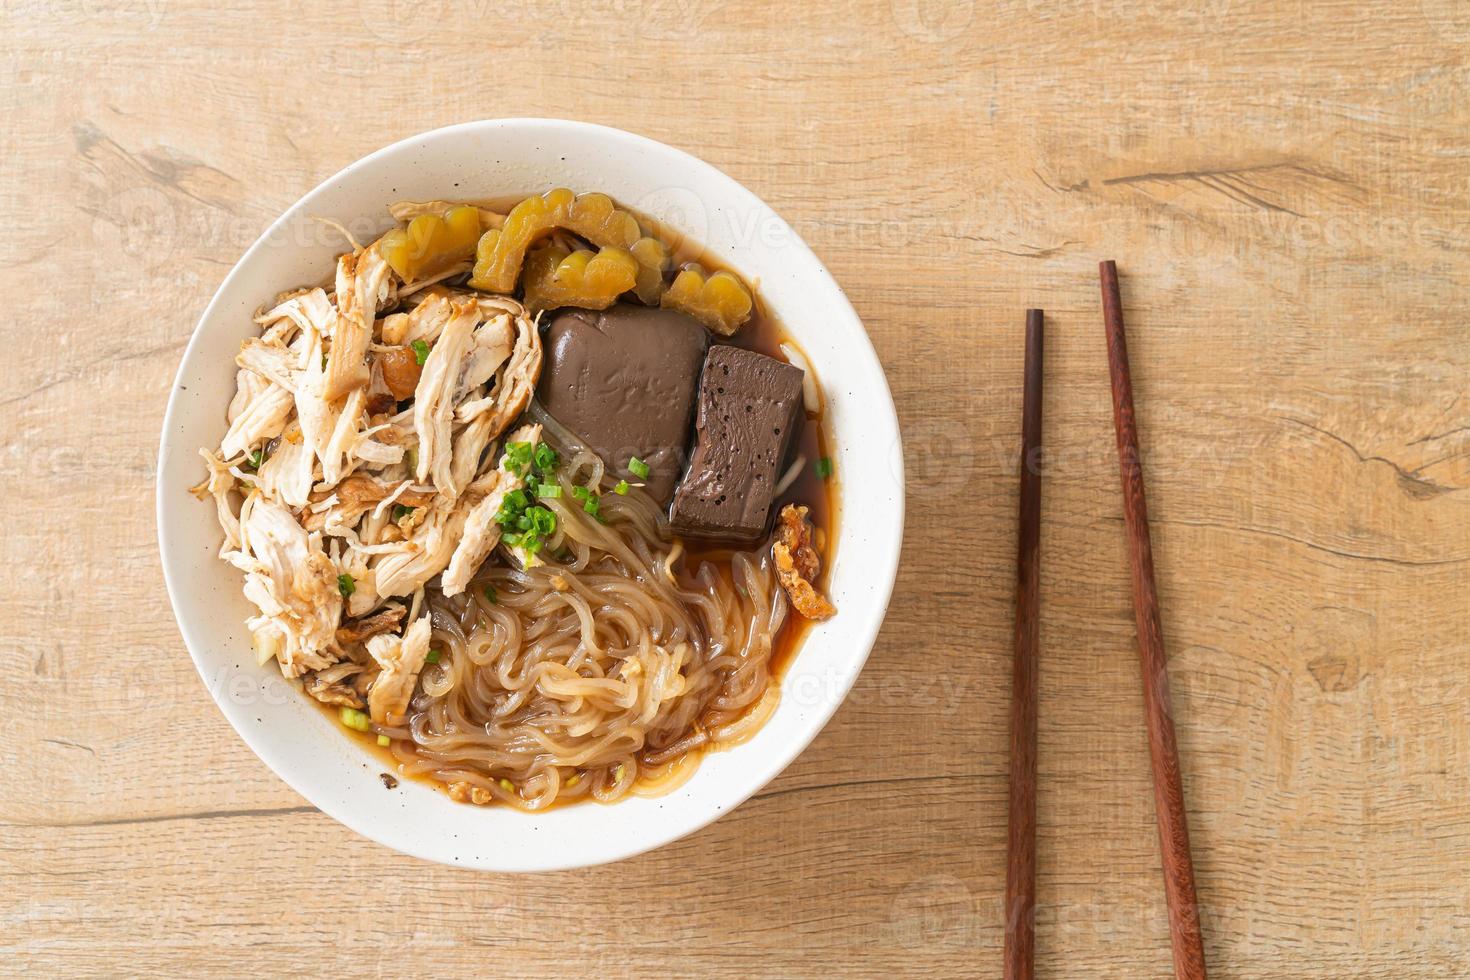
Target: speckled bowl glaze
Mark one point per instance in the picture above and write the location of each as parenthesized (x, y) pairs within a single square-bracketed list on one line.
[(494, 158)]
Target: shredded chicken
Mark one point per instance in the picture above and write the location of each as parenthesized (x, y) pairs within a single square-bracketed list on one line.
[(403, 573), (425, 321), (218, 485), (484, 364), (292, 582), (515, 382), (364, 286), (357, 495), (797, 564), (469, 445), (493, 341), (400, 658), (272, 362), (304, 311), (313, 409), (357, 630), (260, 420), (331, 685), (332, 500), (344, 436), (287, 473), (434, 399), (481, 532)]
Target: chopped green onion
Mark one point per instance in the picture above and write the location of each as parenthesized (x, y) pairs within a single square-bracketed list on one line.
[(523, 524), (589, 500), (621, 489), (543, 521), (256, 458), (400, 511), (638, 468), (353, 718), (346, 585), (420, 352), (517, 456), (432, 657), (384, 741), (824, 467), (490, 594)]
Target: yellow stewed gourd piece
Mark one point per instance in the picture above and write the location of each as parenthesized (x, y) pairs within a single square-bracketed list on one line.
[(555, 277), (653, 259), (720, 302), (431, 243), (502, 251)]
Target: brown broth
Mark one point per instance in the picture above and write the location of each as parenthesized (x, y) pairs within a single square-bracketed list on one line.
[(764, 334)]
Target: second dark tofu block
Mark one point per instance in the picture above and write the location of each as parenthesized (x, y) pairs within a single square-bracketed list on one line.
[(749, 409)]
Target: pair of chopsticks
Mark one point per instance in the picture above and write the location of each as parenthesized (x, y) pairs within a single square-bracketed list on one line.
[(1184, 926)]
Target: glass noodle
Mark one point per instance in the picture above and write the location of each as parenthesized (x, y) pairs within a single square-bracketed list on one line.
[(609, 669)]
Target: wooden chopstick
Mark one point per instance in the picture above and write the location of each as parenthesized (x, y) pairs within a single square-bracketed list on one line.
[(1020, 941), (1184, 925)]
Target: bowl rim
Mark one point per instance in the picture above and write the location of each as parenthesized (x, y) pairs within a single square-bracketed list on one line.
[(887, 547)]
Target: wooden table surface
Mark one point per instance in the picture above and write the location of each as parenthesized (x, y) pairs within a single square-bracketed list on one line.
[(1286, 188)]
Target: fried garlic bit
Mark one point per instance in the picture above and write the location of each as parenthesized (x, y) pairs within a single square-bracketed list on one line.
[(720, 302), (462, 791), (555, 277), (432, 243), (797, 564), (501, 252), (653, 261)]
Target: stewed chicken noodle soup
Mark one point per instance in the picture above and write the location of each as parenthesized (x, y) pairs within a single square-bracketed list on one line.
[(535, 502)]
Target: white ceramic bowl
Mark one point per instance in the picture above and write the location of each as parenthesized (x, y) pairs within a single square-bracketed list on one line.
[(491, 158)]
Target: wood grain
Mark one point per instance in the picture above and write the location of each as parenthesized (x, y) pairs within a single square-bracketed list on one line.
[(1288, 183), (1020, 940), (1158, 708)]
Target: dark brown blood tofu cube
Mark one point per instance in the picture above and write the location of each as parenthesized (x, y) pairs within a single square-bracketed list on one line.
[(749, 409), (622, 380)]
